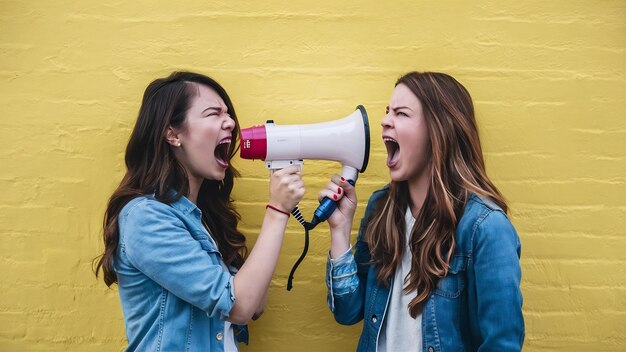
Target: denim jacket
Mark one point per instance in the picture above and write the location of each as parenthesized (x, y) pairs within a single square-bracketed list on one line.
[(174, 291), (476, 307)]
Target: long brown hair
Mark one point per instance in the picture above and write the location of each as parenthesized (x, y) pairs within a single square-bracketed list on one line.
[(457, 170), (152, 168)]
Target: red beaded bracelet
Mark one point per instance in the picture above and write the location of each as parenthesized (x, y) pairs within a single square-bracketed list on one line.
[(278, 210)]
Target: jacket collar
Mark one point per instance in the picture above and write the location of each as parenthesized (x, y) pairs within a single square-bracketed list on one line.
[(183, 204)]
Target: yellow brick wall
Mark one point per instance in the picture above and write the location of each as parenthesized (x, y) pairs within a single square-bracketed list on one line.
[(549, 83)]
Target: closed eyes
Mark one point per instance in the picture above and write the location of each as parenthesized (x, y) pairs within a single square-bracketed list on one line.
[(398, 111), (214, 111)]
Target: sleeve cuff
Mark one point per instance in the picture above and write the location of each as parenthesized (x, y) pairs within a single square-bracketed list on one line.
[(342, 259), (226, 302), (341, 273)]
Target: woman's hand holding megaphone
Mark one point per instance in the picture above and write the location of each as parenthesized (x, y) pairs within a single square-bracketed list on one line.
[(340, 222), (286, 188)]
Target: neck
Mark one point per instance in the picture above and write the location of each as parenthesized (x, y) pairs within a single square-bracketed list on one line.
[(194, 189), (418, 188)]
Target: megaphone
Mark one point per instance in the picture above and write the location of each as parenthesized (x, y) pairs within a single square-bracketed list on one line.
[(346, 140)]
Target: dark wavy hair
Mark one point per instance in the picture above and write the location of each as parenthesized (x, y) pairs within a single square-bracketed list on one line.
[(457, 169), (152, 168)]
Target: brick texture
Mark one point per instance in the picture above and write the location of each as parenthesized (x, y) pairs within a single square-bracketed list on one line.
[(549, 84)]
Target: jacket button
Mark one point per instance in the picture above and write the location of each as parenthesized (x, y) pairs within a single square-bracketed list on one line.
[(219, 336), (431, 349), (374, 318)]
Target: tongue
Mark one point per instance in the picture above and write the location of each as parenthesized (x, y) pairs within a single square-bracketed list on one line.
[(221, 162), (392, 158)]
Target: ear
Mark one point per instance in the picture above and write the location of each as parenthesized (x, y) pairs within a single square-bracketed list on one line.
[(172, 137)]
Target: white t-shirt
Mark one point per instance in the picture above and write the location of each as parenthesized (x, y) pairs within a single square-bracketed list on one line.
[(400, 332)]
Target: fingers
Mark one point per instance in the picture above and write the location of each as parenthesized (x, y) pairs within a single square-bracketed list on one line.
[(290, 170), (343, 183), (297, 187), (328, 193), (291, 181), (286, 187), (341, 187), (286, 176), (297, 183), (333, 189)]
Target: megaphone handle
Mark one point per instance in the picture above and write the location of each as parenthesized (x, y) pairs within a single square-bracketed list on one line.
[(327, 207), (281, 164)]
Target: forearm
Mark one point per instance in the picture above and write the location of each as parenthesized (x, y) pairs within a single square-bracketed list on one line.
[(252, 280), (345, 289), (261, 307), (339, 240)]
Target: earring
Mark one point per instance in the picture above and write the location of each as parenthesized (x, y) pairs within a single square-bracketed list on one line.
[(178, 144)]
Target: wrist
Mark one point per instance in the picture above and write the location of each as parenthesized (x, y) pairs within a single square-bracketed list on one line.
[(341, 230), (338, 250), (339, 240), (276, 209)]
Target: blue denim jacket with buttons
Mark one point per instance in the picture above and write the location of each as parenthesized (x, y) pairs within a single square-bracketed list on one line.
[(476, 307), (174, 291)]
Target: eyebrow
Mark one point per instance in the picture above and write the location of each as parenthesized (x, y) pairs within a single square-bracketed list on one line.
[(217, 108), (400, 107)]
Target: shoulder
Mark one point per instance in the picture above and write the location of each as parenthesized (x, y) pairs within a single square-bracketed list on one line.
[(145, 208), (479, 209), (374, 198), (484, 220), (139, 202), (145, 222), (371, 207), (379, 193)]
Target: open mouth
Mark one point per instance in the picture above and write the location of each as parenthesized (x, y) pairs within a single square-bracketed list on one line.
[(221, 152), (393, 151)]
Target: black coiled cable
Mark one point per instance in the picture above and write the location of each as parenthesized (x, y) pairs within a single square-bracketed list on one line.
[(307, 226)]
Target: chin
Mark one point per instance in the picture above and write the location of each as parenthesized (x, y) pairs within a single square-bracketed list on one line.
[(215, 175), (396, 176), (219, 176)]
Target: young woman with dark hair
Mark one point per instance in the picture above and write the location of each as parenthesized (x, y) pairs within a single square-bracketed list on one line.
[(170, 228), (436, 262)]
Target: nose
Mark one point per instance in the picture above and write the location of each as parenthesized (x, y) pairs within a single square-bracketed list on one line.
[(229, 123), (387, 121)]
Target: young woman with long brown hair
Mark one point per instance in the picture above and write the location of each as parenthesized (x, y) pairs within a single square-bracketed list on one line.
[(436, 261), (170, 228)]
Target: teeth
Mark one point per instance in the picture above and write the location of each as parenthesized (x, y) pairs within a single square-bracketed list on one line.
[(387, 139), (224, 141)]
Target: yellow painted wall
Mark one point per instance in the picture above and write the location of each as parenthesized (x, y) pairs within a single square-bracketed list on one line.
[(549, 83)]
